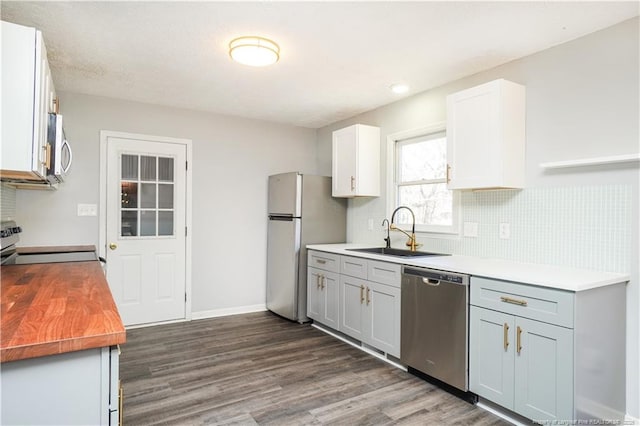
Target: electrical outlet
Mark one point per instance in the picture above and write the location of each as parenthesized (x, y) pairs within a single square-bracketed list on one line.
[(471, 229), (505, 231), (87, 210)]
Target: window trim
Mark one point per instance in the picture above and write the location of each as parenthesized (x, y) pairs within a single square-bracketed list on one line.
[(391, 178)]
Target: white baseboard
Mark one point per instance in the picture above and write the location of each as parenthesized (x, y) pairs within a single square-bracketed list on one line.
[(630, 420), (228, 311)]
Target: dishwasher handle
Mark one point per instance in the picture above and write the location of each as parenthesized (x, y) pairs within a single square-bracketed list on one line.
[(431, 282)]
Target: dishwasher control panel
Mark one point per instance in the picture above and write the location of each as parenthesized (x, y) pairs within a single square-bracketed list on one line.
[(436, 275)]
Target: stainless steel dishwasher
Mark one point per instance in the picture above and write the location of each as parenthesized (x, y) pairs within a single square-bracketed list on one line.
[(434, 324)]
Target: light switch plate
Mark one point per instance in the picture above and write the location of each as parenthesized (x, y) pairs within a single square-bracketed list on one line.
[(505, 231), (471, 229), (87, 210), (370, 224)]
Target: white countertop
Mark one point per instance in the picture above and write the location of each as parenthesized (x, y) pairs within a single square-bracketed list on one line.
[(557, 277)]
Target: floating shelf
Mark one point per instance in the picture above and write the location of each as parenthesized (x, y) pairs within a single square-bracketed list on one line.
[(597, 161)]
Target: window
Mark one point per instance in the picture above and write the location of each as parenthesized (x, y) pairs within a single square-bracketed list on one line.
[(420, 181), (147, 193)]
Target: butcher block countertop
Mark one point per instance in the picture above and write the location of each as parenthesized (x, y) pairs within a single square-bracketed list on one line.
[(53, 308)]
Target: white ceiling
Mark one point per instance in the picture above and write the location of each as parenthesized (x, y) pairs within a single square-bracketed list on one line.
[(338, 59)]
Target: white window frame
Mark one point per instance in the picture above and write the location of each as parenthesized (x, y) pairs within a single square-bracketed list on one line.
[(392, 196)]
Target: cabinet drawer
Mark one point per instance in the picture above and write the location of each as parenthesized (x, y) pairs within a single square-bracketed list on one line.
[(384, 272), (538, 303), (353, 266), (325, 261)]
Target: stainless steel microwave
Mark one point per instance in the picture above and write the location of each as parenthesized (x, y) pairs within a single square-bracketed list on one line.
[(58, 150)]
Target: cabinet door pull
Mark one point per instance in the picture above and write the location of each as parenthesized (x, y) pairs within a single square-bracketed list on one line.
[(361, 294), (513, 301), (506, 336), (519, 339), (448, 173), (47, 156), (321, 261), (353, 183), (322, 278), (318, 281), (368, 296)]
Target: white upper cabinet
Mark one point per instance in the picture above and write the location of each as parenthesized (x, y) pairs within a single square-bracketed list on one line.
[(486, 136), (28, 96), (356, 161)]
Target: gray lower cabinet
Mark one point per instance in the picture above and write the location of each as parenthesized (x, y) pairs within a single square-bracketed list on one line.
[(356, 296), (370, 310), (521, 364), (323, 292), (74, 388), (546, 353)]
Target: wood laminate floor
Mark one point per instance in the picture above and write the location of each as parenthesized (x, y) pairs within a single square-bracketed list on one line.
[(261, 369)]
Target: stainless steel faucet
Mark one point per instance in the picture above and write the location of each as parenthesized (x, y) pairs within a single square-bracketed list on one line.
[(388, 239), (411, 242)]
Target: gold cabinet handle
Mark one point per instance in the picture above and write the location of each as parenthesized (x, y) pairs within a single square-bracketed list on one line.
[(361, 294), (317, 281), (322, 277), (448, 173), (513, 301), (368, 296), (113, 246), (505, 339), (519, 339), (120, 404), (47, 155), (321, 261), (353, 183)]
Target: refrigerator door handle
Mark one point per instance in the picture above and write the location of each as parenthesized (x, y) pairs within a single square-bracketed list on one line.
[(286, 218)]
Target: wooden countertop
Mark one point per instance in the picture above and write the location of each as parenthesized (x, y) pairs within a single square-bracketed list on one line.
[(53, 308)]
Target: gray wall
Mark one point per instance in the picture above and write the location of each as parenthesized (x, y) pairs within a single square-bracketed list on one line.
[(232, 158), (582, 102)]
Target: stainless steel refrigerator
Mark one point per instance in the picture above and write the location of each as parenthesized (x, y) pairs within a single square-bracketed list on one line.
[(301, 212)]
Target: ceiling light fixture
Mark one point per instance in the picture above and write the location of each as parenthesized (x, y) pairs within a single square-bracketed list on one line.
[(254, 51), (399, 88)]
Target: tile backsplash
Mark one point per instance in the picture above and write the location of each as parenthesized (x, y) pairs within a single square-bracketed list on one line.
[(586, 227), (7, 202)]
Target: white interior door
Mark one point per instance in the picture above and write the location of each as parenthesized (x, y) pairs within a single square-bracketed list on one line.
[(145, 229)]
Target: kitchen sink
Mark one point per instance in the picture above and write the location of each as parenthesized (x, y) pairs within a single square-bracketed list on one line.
[(396, 252)]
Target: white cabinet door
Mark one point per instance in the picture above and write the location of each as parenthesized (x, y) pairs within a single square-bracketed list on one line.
[(543, 370), (313, 294), (356, 161), (486, 136), (491, 352), (330, 299), (382, 317), (23, 139), (323, 297), (352, 299)]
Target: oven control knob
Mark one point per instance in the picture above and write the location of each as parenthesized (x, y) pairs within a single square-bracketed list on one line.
[(16, 230)]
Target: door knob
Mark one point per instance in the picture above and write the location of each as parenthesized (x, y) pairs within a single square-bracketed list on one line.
[(113, 246)]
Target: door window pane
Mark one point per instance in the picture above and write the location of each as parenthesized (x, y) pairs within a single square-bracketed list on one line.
[(165, 169), (147, 223), (129, 166), (165, 196), (148, 195), (129, 223), (165, 223), (129, 195), (147, 168)]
